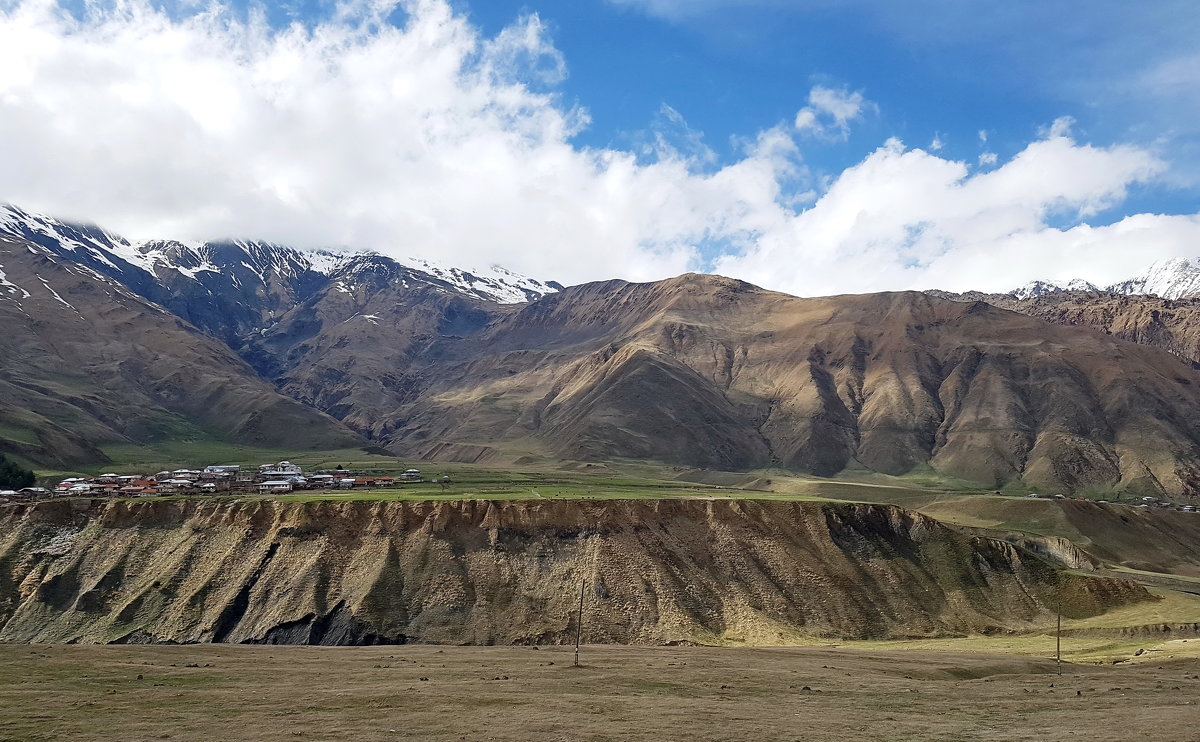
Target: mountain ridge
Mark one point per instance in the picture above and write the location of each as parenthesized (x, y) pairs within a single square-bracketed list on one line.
[(87, 362), (697, 370), (1171, 278)]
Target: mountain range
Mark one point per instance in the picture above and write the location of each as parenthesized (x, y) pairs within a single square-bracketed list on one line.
[(120, 342), (1173, 278)]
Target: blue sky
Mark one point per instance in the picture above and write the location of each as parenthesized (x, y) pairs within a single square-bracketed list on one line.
[(635, 138), (942, 69), (936, 68)]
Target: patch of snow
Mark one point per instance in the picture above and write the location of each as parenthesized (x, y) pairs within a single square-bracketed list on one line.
[(372, 318), (191, 272), (11, 287), (145, 255), (54, 293), (327, 261), (255, 271), (494, 282)]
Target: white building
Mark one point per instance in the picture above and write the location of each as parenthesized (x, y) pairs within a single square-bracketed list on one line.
[(222, 469), (282, 470)]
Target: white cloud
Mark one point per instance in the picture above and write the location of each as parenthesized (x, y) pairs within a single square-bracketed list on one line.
[(829, 112), (1059, 127), (1175, 76), (427, 139), (434, 140), (908, 219), (937, 144), (987, 159)]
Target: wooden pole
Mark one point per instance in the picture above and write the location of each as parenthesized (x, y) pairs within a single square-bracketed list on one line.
[(1058, 634), (579, 621)]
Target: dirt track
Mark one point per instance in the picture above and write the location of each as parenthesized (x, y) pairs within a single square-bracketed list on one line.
[(506, 693)]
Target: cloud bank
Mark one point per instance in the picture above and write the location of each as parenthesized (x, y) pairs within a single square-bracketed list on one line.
[(427, 138)]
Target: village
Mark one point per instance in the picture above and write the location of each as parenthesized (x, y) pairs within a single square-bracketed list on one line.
[(269, 479)]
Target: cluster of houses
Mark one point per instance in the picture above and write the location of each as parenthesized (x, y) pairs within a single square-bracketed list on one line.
[(278, 478), (1141, 502)]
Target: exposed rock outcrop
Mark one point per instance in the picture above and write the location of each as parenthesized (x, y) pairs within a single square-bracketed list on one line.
[(483, 572)]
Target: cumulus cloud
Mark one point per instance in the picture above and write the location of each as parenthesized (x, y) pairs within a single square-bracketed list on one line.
[(424, 139), (429, 138), (905, 218), (829, 112)]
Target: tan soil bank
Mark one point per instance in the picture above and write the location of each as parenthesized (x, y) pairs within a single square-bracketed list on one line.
[(477, 572)]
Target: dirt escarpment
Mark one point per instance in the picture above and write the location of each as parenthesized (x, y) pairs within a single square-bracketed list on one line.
[(510, 572)]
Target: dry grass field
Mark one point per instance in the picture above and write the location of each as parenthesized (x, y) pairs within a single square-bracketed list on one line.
[(272, 694)]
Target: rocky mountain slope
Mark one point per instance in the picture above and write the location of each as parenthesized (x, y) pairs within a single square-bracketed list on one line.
[(1158, 307), (715, 373), (85, 361), (1170, 324), (233, 289), (697, 370), (113, 341), (510, 573)]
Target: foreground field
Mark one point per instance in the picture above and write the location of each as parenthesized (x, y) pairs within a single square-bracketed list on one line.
[(264, 694)]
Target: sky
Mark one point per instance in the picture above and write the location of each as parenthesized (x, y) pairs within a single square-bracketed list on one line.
[(809, 146)]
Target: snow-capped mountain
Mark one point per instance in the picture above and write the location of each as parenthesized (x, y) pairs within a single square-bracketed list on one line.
[(1176, 278), (243, 262), (1042, 288), (240, 290)]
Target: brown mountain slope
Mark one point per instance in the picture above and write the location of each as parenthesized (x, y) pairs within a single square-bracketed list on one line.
[(351, 349), (712, 372), (510, 573), (1170, 324), (86, 362)]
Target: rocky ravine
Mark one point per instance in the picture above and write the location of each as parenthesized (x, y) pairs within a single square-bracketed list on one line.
[(510, 573)]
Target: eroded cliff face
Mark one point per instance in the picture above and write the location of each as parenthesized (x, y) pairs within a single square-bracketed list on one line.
[(510, 573)]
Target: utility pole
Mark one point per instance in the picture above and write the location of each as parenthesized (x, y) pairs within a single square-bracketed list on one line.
[(579, 621), (1058, 633)]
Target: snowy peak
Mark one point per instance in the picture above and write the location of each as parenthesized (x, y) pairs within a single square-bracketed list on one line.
[(83, 243), (52, 233), (1042, 288), (245, 263), (374, 271), (1174, 278), (1078, 284), (1034, 289), (493, 283)]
